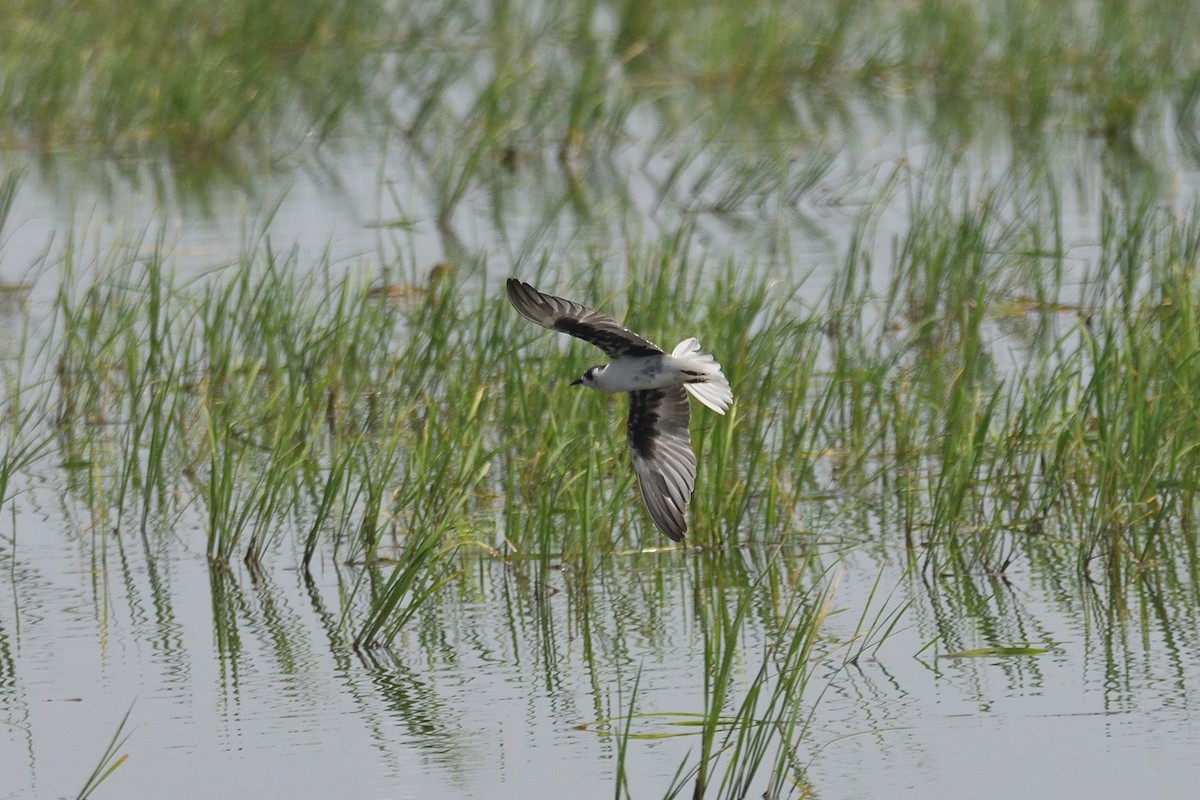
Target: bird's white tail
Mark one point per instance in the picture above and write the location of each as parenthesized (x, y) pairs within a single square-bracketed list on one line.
[(712, 388)]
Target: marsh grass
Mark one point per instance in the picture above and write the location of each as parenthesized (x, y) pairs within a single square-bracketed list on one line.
[(109, 762), (309, 414), (482, 97), (751, 734), (770, 710), (979, 396), (283, 414), (207, 87), (25, 441), (304, 420)]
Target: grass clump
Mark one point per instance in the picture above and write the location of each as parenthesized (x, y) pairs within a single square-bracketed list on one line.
[(311, 412), (749, 737), (276, 412)]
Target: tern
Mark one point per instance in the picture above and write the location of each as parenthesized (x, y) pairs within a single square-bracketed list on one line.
[(658, 384)]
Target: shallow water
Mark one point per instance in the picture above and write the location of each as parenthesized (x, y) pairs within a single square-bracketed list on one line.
[(241, 683)]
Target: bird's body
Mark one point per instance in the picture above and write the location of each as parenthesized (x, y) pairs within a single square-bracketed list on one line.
[(658, 384), (633, 375)]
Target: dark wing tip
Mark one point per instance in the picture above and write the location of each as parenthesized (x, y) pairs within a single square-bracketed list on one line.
[(519, 292), (667, 516), (569, 317), (675, 535), (530, 303)]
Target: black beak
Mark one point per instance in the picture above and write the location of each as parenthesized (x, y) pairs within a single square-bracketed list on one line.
[(577, 381)]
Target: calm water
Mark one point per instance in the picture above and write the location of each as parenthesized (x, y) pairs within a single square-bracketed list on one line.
[(242, 685)]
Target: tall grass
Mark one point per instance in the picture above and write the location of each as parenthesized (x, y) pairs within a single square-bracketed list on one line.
[(285, 404), (770, 714)]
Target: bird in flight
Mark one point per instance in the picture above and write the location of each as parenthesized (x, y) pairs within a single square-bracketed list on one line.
[(658, 384)]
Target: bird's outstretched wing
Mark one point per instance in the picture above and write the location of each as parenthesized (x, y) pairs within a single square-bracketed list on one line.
[(559, 314), (663, 460)]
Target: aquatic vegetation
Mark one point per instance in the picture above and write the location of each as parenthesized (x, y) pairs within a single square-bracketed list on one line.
[(109, 760), (946, 254)]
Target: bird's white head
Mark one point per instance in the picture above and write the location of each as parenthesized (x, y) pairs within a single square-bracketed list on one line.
[(590, 378)]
